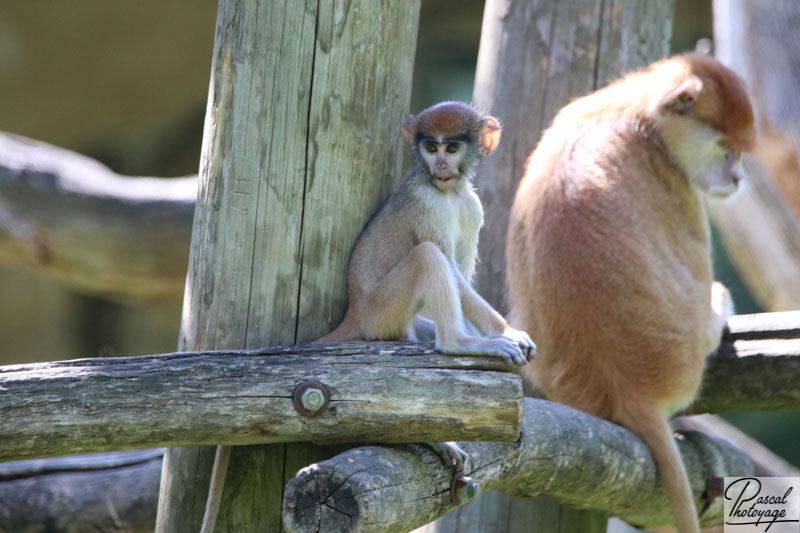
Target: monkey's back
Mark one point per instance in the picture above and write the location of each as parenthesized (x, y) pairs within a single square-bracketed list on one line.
[(609, 270)]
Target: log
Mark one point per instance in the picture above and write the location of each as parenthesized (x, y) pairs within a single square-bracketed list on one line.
[(755, 367), (70, 218), (106, 492), (64, 491), (562, 452), (76, 488), (378, 392)]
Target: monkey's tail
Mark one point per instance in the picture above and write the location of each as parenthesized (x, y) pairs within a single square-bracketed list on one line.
[(348, 330), (648, 422)]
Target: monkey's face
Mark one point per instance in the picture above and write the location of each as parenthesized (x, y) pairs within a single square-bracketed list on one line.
[(443, 158), (708, 161)]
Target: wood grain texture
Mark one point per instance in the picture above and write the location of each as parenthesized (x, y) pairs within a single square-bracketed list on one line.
[(300, 145), (760, 225), (379, 392), (562, 452), (70, 218)]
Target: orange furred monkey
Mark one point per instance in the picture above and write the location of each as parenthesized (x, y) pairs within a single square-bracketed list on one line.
[(609, 250)]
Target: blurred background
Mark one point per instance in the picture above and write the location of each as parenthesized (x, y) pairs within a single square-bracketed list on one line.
[(127, 84)]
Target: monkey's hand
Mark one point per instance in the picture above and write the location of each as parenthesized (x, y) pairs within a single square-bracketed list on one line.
[(523, 340), (450, 453)]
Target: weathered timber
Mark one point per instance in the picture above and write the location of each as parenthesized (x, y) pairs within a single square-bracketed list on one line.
[(105, 492), (70, 218), (379, 392), (300, 145), (77, 488), (569, 455), (756, 367), (35, 492)]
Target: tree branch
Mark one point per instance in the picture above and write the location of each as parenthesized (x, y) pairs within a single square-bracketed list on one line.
[(69, 217), (564, 453)]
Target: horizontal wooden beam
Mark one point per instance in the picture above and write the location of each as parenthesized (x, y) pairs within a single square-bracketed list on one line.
[(378, 392), (756, 367), (569, 455), (73, 492)]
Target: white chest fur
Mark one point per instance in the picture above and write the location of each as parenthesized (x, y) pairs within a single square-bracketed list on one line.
[(456, 218)]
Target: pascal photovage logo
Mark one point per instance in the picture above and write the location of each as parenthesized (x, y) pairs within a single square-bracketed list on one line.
[(760, 504)]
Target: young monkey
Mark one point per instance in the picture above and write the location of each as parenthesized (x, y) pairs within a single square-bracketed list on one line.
[(417, 253), (609, 250)]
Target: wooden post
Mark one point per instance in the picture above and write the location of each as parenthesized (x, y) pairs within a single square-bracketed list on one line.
[(301, 143), (536, 55), (758, 41)]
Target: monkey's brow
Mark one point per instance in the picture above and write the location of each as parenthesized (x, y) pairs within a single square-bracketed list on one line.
[(464, 138)]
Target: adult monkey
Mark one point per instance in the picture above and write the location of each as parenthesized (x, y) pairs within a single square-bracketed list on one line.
[(609, 249)]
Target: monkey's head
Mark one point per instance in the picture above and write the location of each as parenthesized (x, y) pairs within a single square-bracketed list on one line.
[(448, 139), (705, 119)]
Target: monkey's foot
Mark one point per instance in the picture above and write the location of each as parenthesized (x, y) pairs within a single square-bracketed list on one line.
[(523, 340), (505, 347), (450, 453)]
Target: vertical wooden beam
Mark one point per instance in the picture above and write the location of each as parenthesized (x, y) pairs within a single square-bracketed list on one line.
[(758, 40), (300, 145), (536, 55)]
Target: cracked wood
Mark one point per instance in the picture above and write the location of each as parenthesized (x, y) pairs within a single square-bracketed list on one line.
[(380, 392)]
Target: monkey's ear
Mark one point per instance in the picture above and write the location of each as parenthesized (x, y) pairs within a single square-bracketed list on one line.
[(407, 130), (491, 136), (680, 100)]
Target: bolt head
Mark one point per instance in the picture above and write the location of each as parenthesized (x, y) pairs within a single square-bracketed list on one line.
[(312, 399)]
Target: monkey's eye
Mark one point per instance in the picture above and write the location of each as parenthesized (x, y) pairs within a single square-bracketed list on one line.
[(431, 148), (452, 148)]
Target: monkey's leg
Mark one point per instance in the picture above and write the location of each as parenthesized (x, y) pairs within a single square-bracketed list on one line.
[(425, 279), (488, 321), (421, 330)]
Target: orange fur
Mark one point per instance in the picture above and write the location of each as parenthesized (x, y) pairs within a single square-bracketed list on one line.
[(608, 253)]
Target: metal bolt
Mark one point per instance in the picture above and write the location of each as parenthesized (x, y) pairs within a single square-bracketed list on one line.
[(312, 399), (463, 490)]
